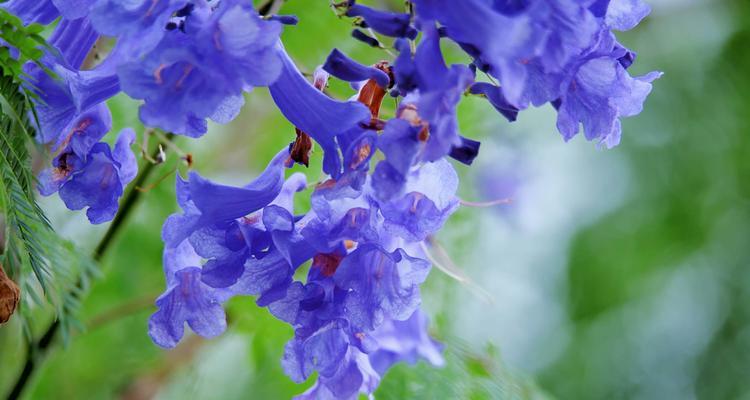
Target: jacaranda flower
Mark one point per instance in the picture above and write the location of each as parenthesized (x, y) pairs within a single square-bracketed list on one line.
[(205, 203), (344, 273), (384, 22), (344, 68), (140, 23), (86, 172), (439, 89), (46, 11), (600, 92), (406, 341), (201, 70), (186, 299), (314, 113), (543, 51)]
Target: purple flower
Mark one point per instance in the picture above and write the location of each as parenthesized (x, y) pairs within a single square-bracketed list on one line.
[(383, 22), (73, 9), (322, 351), (600, 92), (268, 276), (86, 172), (406, 341), (256, 254), (440, 90), (286, 235), (340, 220), (191, 301), (235, 42), (380, 285), (88, 129), (342, 210), (285, 19), (500, 43), (402, 142), (536, 41), (354, 375), (74, 39), (200, 71), (623, 15), (226, 248), (466, 152), (186, 299), (494, 95), (314, 113), (32, 11), (62, 99), (225, 257), (101, 181), (357, 312), (551, 52), (344, 68), (60, 102), (141, 23), (429, 199), (191, 298), (366, 286), (404, 70), (205, 203), (46, 11)]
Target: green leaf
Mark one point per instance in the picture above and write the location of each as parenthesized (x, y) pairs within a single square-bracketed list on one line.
[(25, 40), (48, 269), (465, 375)]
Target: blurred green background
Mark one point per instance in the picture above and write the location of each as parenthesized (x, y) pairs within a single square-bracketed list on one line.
[(619, 274)]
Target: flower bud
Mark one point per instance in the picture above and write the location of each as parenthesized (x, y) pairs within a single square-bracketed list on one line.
[(9, 295)]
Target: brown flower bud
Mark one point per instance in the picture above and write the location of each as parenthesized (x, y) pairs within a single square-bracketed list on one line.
[(9, 295), (300, 149)]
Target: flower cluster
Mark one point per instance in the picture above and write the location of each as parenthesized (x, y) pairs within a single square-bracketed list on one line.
[(357, 311), (562, 52), (363, 244), (365, 235), (188, 61)]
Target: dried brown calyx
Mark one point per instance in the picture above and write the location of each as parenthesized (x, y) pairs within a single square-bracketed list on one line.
[(9, 296), (327, 262), (372, 94), (300, 149)]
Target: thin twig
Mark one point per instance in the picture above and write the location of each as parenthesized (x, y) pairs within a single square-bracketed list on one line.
[(122, 310), (170, 144), (156, 183)]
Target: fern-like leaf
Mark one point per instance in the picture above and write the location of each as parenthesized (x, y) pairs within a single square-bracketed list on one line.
[(46, 267), (23, 218)]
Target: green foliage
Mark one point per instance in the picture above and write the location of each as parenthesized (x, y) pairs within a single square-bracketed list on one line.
[(689, 213), (465, 375), (23, 216), (19, 44), (43, 264)]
